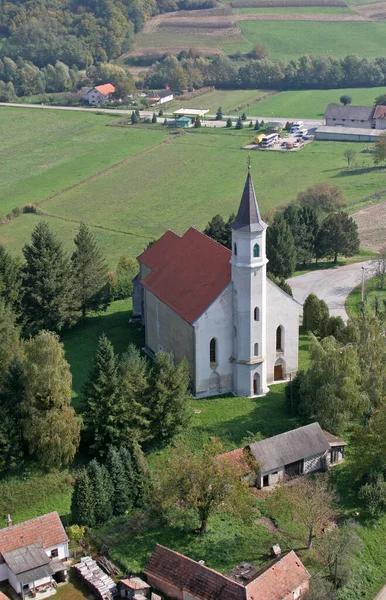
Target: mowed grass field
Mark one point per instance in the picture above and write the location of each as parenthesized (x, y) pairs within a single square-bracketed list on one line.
[(288, 40), (311, 104), (295, 10), (229, 100), (182, 183)]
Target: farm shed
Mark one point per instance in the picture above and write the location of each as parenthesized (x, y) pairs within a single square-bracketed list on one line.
[(134, 588), (181, 123), (191, 112), (162, 97), (359, 117), (100, 583), (345, 134)]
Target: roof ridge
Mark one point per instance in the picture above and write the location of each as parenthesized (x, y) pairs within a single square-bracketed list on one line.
[(53, 512), (208, 237)]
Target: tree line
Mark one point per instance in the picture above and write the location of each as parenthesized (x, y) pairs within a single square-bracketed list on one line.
[(311, 228)]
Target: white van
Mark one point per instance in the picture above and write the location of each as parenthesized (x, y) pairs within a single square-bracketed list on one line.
[(299, 124)]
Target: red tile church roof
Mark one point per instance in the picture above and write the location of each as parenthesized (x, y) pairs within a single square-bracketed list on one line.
[(46, 529), (187, 273)]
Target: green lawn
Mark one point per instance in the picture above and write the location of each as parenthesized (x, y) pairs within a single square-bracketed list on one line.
[(44, 151), (311, 104), (290, 39), (373, 294), (229, 100)]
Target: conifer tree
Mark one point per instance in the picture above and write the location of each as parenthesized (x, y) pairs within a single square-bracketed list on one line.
[(134, 389), (239, 124), (11, 398), (102, 489), (197, 122), (140, 469), (154, 118), (134, 118), (48, 300), (169, 397), (229, 122), (10, 280), (90, 272), (120, 498), (102, 415), (9, 336), (257, 125), (281, 252), (130, 476), (219, 114), (82, 502)]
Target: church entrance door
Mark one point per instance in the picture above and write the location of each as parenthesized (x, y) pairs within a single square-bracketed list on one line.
[(278, 372), (256, 384)]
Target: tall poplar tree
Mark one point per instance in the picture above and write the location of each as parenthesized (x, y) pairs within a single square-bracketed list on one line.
[(90, 272), (281, 252), (103, 406), (48, 300), (82, 502)]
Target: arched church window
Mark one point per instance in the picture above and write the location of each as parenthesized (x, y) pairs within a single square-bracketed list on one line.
[(279, 338), (235, 249), (213, 350), (256, 349), (256, 314), (256, 251)]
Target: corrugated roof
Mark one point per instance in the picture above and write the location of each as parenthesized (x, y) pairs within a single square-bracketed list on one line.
[(289, 447), (333, 440), (358, 113), (46, 529), (26, 558), (380, 112), (188, 575), (187, 273), (105, 89), (34, 574), (279, 579), (249, 218)]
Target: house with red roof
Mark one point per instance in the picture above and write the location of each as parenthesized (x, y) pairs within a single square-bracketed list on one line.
[(216, 307), (181, 578), (32, 554), (100, 94)]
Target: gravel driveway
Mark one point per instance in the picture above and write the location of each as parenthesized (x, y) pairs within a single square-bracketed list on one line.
[(331, 285)]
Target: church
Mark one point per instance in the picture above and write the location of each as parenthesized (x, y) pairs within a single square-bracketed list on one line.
[(197, 299)]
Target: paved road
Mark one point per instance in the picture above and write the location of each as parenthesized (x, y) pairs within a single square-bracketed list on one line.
[(381, 595), (331, 285)]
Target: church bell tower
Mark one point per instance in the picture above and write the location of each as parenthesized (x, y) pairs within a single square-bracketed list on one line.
[(249, 296)]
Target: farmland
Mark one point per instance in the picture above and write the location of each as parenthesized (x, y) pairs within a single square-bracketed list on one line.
[(228, 100), (196, 175)]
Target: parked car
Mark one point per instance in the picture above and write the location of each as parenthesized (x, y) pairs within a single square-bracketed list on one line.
[(306, 137)]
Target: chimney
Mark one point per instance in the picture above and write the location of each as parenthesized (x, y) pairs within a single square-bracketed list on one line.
[(9, 520)]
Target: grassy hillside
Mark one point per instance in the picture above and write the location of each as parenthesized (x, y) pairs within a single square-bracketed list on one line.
[(290, 39)]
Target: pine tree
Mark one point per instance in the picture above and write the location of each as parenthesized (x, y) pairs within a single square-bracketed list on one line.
[(48, 285), (120, 498), (229, 123), (90, 272), (243, 117), (154, 118), (133, 389), (10, 280), (102, 415), (9, 336), (239, 124), (11, 399), (134, 118), (197, 122), (130, 476), (281, 252), (140, 472), (219, 114), (82, 502), (102, 489), (169, 397), (257, 125)]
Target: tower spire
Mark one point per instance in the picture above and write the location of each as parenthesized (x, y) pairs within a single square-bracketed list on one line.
[(248, 217)]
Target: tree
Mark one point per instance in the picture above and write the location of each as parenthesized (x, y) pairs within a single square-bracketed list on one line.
[(315, 315), (281, 283), (121, 500), (380, 100), (82, 501), (373, 495), (134, 118), (9, 336), (346, 100), (48, 285), (379, 152), (102, 491), (380, 267), (219, 114), (134, 391), (217, 230), (349, 155), (281, 251), (336, 550), (11, 398), (338, 234), (154, 118), (160, 112), (303, 222), (259, 52), (169, 397), (130, 477), (243, 117), (50, 425), (90, 273), (323, 197), (201, 483), (103, 406), (229, 122), (369, 446), (257, 125), (197, 122), (121, 282), (10, 280), (320, 589), (239, 123)]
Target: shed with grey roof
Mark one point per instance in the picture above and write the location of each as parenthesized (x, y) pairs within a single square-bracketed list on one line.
[(296, 452), (361, 117)]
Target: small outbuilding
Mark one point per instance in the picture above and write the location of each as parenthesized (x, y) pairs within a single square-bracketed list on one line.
[(134, 587), (181, 123), (191, 112), (162, 97)]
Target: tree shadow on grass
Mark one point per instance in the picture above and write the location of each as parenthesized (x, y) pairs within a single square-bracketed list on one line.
[(357, 171)]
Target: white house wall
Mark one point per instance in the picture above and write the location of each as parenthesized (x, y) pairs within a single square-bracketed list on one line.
[(274, 477), (62, 550), (282, 310), (350, 123), (215, 322)]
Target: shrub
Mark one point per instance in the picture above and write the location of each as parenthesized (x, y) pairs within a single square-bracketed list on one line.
[(373, 495), (30, 208)]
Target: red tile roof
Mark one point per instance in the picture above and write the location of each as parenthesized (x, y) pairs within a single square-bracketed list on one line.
[(380, 112), (105, 89), (46, 529), (187, 273), (279, 580), (187, 574), (3, 596)]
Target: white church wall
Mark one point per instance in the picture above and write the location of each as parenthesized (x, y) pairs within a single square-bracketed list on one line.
[(283, 311), (215, 322), (165, 330)]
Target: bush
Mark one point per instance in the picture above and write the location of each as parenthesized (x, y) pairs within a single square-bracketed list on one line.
[(373, 495), (30, 208), (315, 315)]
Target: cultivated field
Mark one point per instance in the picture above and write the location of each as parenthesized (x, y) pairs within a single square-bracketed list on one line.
[(311, 104), (371, 221), (184, 182)]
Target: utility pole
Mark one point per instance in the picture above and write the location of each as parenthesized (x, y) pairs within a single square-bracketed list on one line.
[(363, 288)]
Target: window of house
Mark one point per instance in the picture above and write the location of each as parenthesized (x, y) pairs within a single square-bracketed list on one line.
[(213, 350), (256, 314), (279, 340), (256, 251), (235, 249), (256, 349), (54, 553)]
